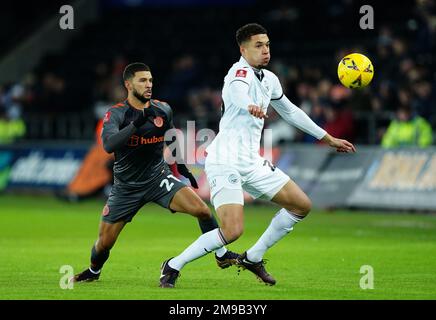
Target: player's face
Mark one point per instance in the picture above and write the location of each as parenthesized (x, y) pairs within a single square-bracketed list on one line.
[(141, 85), (256, 51)]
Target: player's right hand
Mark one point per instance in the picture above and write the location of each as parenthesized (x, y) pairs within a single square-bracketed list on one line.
[(149, 112), (143, 116), (257, 111)]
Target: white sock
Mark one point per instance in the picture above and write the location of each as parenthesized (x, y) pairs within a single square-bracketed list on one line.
[(280, 225), (205, 244), (221, 251)]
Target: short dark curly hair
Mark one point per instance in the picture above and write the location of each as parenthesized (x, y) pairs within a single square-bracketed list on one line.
[(244, 33), (131, 69)]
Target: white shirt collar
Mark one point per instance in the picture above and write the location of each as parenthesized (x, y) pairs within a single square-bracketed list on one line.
[(259, 73), (244, 62)]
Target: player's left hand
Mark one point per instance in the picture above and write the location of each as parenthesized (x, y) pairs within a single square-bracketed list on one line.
[(183, 170), (339, 144), (342, 146), (257, 111)]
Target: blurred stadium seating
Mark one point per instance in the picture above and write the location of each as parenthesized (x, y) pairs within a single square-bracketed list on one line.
[(190, 46)]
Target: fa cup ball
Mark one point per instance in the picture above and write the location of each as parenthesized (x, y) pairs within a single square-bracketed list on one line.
[(355, 71)]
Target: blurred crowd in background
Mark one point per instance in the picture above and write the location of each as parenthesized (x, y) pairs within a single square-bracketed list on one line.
[(190, 50)]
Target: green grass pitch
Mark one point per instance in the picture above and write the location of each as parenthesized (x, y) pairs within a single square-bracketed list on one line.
[(320, 259)]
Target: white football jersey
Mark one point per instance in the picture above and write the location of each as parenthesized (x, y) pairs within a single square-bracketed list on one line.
[(238, 139)]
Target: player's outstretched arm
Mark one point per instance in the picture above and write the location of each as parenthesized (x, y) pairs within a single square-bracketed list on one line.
[(297, 117)]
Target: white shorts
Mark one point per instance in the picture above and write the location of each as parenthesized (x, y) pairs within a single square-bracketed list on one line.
[(261, 181)]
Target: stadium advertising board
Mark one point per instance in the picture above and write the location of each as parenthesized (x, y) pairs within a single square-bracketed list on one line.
[(400, 179), (5, 167), (40, 167), (338, 176), (374, 178), (303, 164)]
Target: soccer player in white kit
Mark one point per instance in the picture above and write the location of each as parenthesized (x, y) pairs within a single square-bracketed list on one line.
[(233, 163)]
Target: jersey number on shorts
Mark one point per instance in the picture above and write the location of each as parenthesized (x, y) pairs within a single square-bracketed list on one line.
[(267, 163), (166, 182)]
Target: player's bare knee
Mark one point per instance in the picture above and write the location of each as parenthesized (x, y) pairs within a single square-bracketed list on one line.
[(301, 208), (237, 232), (105, 243), (232, 233), (304, 207), (202, 211)]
